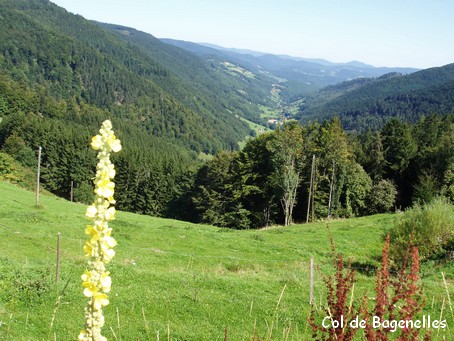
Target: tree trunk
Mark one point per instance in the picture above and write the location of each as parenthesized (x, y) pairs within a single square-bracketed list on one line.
[(310, 189), (331, 189)]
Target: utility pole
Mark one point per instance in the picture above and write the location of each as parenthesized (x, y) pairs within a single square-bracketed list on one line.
[(38, 173)]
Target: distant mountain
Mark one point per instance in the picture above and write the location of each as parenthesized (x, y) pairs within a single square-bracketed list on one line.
[(369, 102), (225, 87), (162, 89), (234, 50), (298, 76), (284, 56)]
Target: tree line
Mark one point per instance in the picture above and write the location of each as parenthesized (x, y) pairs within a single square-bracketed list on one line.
[(296, 173), (301, 173)]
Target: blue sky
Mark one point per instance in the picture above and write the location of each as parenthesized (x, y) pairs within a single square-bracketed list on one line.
[(410, 33)]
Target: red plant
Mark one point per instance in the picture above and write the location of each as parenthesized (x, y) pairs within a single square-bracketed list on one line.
[(339, 286), (403, 301), (397, 300)]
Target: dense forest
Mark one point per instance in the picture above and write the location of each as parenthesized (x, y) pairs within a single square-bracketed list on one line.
[(66, 57), (269, 181), (369, 102), (354, 154)]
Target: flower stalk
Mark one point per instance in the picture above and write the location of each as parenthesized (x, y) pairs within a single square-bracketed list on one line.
[(99, 248)]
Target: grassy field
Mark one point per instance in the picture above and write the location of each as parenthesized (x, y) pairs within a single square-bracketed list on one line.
[(259, 129), (174, 280)]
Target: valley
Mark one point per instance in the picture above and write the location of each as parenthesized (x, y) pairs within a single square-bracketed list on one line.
[(236, 168)]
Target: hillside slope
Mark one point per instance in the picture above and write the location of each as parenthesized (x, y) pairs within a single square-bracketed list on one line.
[(368, 103), (62, 75), (239, 91), (168, 276), (69, 58)]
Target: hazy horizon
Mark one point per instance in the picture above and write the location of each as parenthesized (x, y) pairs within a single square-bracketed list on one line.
[(383, 34)]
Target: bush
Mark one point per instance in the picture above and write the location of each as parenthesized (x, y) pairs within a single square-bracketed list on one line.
[(382, 197), (83, 193), (430, 225), (13, 172)]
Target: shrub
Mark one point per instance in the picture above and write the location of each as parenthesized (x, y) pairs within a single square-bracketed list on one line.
[(397, 299), (340, 288), (382, 197), (13, 172), (432, 227), (83, 193)]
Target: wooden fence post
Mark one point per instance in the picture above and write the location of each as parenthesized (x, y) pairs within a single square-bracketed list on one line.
[(311, 289), (57, 272), (38, 176)]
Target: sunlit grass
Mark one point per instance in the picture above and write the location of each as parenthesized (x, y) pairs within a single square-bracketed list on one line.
[(192, 281)]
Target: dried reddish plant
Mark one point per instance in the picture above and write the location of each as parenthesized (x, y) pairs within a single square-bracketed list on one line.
[(397, 299), (339, 287), (381, 300)]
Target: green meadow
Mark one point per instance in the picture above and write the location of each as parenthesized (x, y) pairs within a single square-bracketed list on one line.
[(174, 280)]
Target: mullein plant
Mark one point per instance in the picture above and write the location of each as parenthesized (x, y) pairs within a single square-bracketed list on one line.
[(99, 249)]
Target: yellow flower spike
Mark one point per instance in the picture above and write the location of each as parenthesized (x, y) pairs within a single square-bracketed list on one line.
[(110, 213), (82, 336), (100, 300), (86, 276), (96, 142), (96, 281), (90, 289), (107, 252), (105, 188), (88, 249), (91, 211), (90, 230), (110, 242), (108, 172), (106, 282), (114, 144)]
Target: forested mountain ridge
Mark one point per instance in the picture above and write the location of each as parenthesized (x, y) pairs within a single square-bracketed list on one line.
[(370, 102), (239, 92), (298, 76), (361, 95), (69, 57)]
